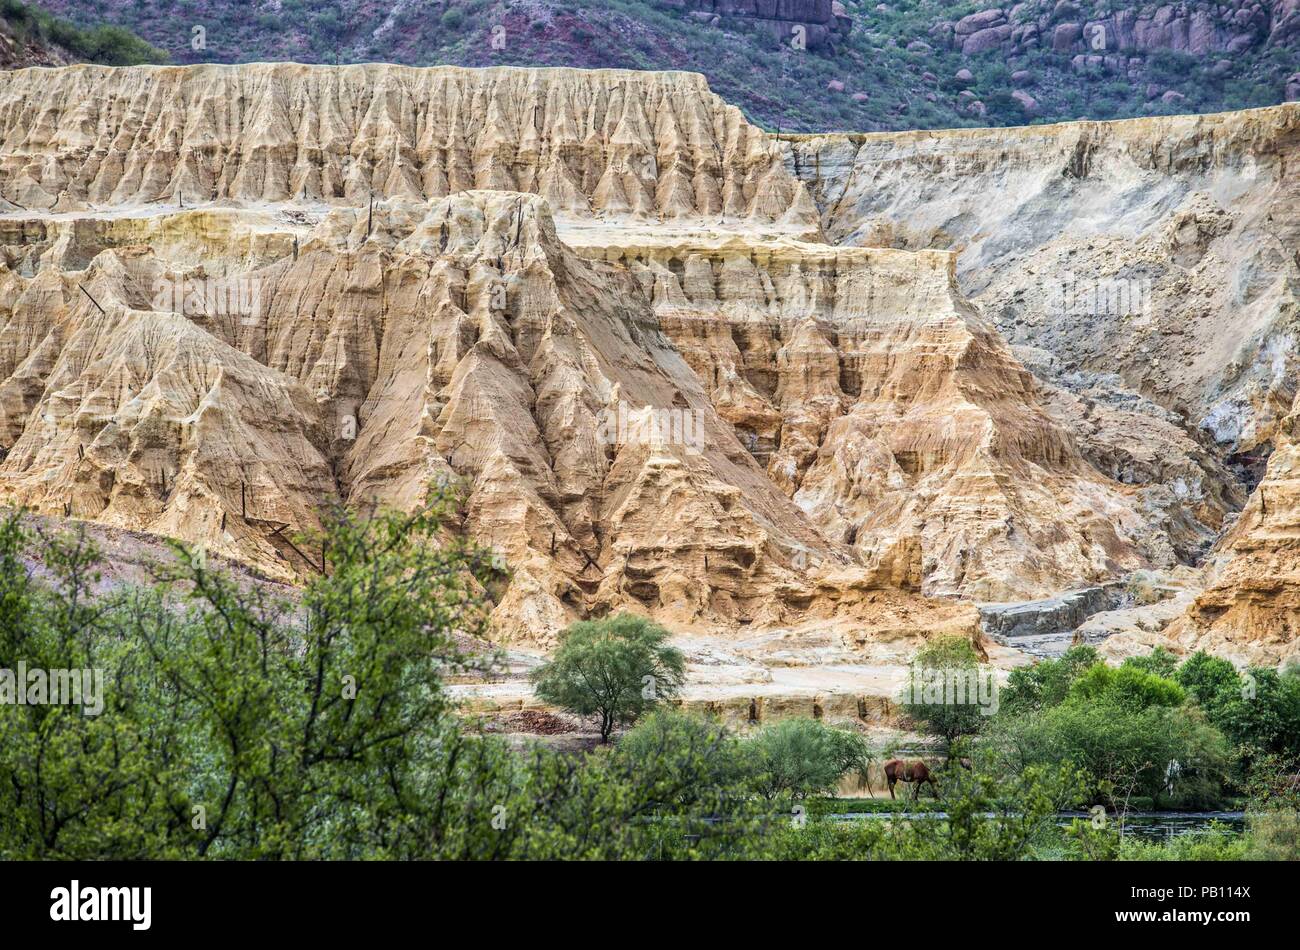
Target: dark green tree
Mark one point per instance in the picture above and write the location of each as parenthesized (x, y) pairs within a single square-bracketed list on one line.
[(613, 669), (948, 692)]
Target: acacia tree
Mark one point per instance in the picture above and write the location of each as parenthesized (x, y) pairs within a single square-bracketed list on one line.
[(236, 721), (932, 696), (613, 669)]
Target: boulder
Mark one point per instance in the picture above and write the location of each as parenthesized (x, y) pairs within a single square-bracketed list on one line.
[(964, 76), (985, 40), (970, 25), (1027, 102), (1065, 36)]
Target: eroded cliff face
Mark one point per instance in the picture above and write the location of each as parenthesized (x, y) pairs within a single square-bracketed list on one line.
[(605, 305), (1146, 271), (1250, 608), (392, 347), (1162, 251), (892, 414), (612, 142)]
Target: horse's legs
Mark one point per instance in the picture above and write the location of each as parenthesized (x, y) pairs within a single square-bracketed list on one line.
[(891, 787)]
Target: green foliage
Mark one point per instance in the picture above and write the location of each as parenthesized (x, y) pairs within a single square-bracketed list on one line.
[(1273, 835), (802, 757), (106, 44), (1159, 662), (1123, 750), (1045, 684), (1128, 687), (947, 712), (1216, 843), (1259, 710), (1130, 729), (614, 669), (1151, 727), (985, 820), (1206, 677), (239, 726), (666, 736)]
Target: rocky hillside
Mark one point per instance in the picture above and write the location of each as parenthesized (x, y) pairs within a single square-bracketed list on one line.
[(31, 37), (805, 65), (737, 381)]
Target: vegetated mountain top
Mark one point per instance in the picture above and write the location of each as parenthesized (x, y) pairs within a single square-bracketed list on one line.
[(32, 37), (799, 65)]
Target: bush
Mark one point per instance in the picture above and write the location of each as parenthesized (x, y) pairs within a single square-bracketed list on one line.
[(1259, 711), (1124, 751), (1273, 835), (109, 45), (666, 737), (1128, 687), (235, 724), (1031, 688), (802, 757), (1216, 843)]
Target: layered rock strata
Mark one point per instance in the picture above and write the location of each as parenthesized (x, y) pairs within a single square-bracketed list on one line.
[(600, 302)]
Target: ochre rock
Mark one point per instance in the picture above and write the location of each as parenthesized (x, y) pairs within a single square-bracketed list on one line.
[(604, 304), (1250, 609)]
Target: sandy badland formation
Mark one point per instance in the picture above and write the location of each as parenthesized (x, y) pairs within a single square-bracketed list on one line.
[(802, 400)]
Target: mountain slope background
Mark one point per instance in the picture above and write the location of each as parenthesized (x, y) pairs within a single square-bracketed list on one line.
[(32, 37), (863, 66)]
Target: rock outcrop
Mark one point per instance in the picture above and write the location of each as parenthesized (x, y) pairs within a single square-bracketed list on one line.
[(891, 413), (1145, 270), (608, 142), (677, 365), (818, 23), (1099, 35), (1250, 608), (384, 348), (1158, 250)]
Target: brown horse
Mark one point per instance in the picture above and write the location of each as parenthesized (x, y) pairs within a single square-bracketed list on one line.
[(913, 772)]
